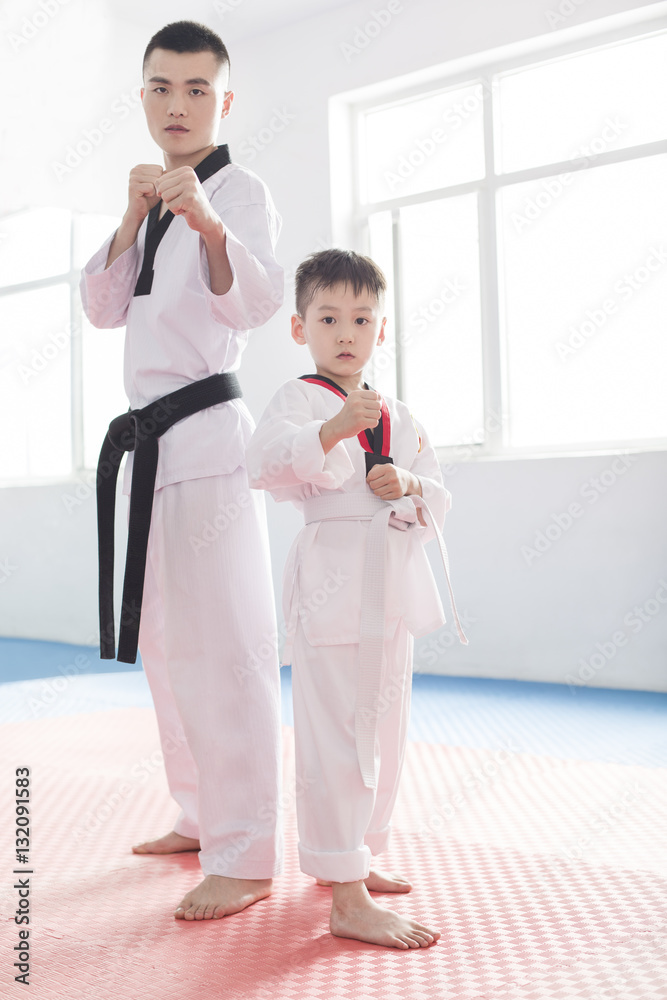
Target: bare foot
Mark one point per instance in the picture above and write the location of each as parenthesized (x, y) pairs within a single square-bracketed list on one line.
[(381, 882), (171, 843), (218, 896), (355, 915)]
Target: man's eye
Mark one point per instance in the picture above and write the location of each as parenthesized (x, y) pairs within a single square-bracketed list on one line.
[(196, 91), (159, 90)]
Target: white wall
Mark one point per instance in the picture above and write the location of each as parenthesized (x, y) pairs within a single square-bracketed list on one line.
[(534, 621)]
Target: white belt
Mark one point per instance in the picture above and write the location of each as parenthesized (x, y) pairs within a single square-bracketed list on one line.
[(367, 507)]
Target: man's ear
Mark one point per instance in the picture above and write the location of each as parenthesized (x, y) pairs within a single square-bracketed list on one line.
[(297, 329), (227, 103)]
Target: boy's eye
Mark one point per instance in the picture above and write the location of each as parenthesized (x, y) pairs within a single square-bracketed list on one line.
[(328, 320), (361, 320)]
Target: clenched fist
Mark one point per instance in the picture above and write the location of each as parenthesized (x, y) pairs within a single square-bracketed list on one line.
[(143, 194), (362, 409), (183, 194)]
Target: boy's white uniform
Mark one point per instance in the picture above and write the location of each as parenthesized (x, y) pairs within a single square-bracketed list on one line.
[(208, 611), (342, 821)]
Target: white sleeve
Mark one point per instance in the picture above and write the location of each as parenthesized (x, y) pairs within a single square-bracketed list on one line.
[(106, 292), (285, 451), (257, 279), (427, 469)]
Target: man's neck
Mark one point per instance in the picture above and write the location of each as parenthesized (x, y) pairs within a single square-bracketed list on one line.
[(193, 160)]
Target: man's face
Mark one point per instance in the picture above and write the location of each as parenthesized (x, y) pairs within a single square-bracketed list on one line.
[(184, 99), (341, 330)]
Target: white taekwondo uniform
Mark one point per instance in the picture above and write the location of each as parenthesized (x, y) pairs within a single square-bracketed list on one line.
[(208, 633), (343, 818)]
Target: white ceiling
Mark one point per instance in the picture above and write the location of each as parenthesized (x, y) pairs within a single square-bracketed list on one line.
[(232, 19)]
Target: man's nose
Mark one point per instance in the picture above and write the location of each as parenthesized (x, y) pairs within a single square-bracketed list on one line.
[(176, 107)]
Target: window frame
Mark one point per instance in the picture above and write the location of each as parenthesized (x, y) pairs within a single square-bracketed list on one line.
[(350, 214), (71, 278)]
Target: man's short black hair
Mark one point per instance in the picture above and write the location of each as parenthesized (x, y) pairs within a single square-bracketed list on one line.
[(188, 36), (337, 267)]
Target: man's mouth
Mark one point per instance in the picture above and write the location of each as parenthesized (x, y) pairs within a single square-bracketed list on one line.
[(176, 128)]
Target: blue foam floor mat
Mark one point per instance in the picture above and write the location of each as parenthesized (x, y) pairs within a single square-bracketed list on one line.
[(624, 727)]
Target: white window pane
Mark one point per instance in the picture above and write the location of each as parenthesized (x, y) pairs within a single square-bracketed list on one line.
[(103, 394), (605, 99), (586, 307), (381, 373), (423, 144), (90, 232), (442, 347), (35, 385), (34, 244)]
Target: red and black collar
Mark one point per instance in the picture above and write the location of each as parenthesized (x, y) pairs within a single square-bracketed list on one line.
[(376, 442)]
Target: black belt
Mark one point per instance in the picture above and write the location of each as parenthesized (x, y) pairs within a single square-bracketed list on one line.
[(139, 430)]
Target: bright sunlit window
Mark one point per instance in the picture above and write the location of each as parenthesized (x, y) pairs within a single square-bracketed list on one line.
[(519, 214), (60, 379)]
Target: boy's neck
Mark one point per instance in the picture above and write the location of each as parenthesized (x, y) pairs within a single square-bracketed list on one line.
[(348, 383), (193, 160)]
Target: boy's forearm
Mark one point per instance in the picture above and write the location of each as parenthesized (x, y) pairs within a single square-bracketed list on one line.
[(219, 268), (414, 485), (330, 435), (125, 237)]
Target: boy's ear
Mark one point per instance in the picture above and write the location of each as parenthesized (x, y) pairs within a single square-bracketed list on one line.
[(380, 339), (297, 329)]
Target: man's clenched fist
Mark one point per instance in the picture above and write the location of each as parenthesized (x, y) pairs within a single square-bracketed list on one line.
[(143, 194)]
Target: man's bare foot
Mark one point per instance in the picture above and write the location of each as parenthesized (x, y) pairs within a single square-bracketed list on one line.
[(355, 915), (380, 882), (218, 896), (171, 843)]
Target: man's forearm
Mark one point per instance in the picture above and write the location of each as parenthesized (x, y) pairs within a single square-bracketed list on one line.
[(125, 237), (219, 268)]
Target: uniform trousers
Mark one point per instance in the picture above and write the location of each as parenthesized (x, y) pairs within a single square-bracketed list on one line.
[(208, 645), (342, 822)]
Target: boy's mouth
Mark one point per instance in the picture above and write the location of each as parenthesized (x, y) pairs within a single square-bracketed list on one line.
[(344, 355)]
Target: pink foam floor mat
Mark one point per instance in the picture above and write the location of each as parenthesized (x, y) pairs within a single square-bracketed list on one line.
[(546, 877)]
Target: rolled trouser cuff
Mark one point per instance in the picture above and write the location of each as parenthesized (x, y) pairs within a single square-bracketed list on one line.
[(336, 866), (186, 827), (378, 840)]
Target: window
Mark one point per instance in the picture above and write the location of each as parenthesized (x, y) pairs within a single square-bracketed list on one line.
[(60, 379), (518, 213)]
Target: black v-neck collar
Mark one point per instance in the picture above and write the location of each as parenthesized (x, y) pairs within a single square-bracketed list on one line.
[(156, 227)]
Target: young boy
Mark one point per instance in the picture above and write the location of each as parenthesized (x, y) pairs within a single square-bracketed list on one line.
[(189, 271), (357, 585)]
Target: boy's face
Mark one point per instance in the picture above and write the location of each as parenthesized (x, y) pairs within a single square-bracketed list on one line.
[(184, 99), (341, 330)]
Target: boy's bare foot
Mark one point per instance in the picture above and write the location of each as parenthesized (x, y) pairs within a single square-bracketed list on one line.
[(380, 882), (218, 896), (171, 843), (355, 915)]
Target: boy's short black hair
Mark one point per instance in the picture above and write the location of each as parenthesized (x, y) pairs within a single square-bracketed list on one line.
[(337, 267), (188, 36)]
